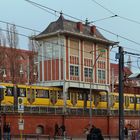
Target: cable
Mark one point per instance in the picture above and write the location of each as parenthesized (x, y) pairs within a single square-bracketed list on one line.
[(103, 19), (14, 32), (111, 12), (104, 7), (137, 43), (19, 26), (53, 10), (58, 44), (41, 7)]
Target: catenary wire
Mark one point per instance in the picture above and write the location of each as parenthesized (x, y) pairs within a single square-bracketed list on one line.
[(137, 43)]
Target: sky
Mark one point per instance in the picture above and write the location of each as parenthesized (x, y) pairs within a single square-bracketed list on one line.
[(21, 12)]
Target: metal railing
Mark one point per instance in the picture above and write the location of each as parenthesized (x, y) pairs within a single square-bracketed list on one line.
[(28, 137), (69, 111)]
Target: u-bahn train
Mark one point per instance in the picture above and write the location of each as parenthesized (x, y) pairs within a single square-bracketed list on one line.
[(32, 95)]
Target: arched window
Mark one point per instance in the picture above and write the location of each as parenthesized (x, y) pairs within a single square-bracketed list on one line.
[(39, 129)]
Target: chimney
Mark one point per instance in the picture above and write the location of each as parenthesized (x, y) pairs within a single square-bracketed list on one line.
[(80, 26), (93, 30)]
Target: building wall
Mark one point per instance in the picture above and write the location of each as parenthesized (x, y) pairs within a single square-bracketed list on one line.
[(75, 125)]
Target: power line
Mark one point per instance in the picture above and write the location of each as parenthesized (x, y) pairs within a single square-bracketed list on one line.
[(19, 26), (114, 15), (104, 7), (111, 12), (60, 12), (65, 14)]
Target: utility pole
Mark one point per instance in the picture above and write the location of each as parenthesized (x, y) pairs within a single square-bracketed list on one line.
[(121, 96)]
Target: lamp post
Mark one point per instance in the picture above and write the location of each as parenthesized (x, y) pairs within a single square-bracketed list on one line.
[(91, 79), (1, 92)]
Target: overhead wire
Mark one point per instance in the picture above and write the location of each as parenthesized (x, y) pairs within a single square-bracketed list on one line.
[(111, 12), (5, 22), (55, 15), (125, 38)]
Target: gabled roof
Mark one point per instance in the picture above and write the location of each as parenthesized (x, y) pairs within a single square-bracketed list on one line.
[(127, 71), (134, 76), (64, 26)]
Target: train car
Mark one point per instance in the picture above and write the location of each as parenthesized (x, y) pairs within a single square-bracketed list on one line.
[(41, 96), (75, 99), (2, 93), (33, 95), (8, 98), (100, 100), (137, 103), (129, 102)]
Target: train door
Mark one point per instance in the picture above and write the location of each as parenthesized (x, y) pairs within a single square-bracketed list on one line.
[(2, 92), (111, 100), (53, 97), (126, 101), (30, 95), (85, 99), (74, 98), (96, 99)]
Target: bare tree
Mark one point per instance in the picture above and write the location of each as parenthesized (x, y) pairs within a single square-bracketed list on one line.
[(33, 47), (12, 40), (2, 38)]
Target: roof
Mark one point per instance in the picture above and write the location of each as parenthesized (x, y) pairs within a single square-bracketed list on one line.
[(134, 76), (127, 71), (65, 26)]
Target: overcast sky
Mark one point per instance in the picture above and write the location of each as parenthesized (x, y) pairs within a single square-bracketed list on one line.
[(22, 13)]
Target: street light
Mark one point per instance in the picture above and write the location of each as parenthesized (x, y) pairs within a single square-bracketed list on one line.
[(28, 71), (3, 71), (91, 78)]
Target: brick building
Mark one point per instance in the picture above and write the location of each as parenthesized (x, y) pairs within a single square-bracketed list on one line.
[(17, 66), (73, 55)]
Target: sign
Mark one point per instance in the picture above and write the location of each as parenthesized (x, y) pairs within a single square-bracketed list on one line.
[(21, 124), (20, 105)]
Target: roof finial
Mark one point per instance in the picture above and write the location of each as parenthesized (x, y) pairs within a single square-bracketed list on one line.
[(61, 13), (86, 22)]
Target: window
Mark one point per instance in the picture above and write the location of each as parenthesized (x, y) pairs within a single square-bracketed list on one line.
[(103, 98), (101, 74), (42, 93), (138, 100), (74, 70), (80, 96), (9, 91), (60, 94), (21, 92), (131, 99), (88, 72)]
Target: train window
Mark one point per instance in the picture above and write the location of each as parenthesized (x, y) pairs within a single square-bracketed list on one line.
[(60, 95), (117, 99), (30, 95), (42, 93), (88, 97), (131, 99), (103, 98), (138, 100), (21, 92), (68, 96), (53, 96), (80, 96), (9, 91), (1, 94)]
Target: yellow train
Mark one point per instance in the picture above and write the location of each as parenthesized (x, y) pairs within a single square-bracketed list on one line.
[(39, 96)]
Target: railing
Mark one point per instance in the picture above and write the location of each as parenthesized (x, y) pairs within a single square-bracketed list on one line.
[(62, 138), (28, 137), (70, 111)]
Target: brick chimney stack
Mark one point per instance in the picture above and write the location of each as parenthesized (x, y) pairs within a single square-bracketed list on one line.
[(93, 30), (80, 26)]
